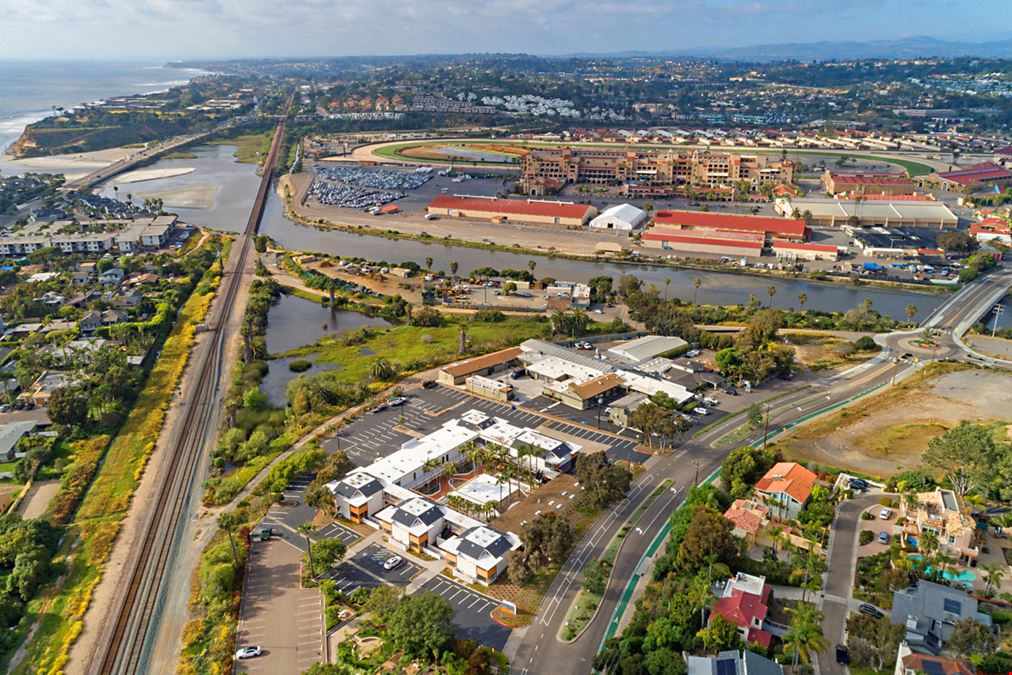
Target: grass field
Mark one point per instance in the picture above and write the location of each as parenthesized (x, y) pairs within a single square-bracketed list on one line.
[(250, 148), (915, 168), (91, 535), (412, 348)]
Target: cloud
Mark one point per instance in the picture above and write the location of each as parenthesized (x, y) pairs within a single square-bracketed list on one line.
[(234, 28)]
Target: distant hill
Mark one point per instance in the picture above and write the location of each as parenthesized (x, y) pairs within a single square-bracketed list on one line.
[(884, 49), (841, 51)]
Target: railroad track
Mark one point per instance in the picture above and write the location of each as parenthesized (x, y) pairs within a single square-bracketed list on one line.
[(132, 617)]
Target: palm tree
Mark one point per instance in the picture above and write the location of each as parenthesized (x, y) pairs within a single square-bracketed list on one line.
[(995, 573), (802, 299), (531, 264), (667, 282), (696, 283), (382, 370), (911, 312), (805, 633), (454, 266), (228, 521), (771, 291), (305, 529), (428, 264)]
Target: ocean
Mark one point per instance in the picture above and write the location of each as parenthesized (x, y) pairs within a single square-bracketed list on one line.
[(29, 90)]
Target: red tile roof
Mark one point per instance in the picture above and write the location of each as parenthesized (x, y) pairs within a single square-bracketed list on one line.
[(798, 246), (945, 665), (727, 221), (882, 197), (790, 478), (653, 235), (1007, 150), (978, 173), (880, 178), (743, 519), (516, 207), (744, 610)]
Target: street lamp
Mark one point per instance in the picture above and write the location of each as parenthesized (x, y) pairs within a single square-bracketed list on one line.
[(600, 400)]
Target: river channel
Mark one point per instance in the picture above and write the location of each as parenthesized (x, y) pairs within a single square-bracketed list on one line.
[(234, 185)]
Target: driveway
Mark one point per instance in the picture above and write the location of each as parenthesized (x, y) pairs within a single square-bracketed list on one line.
[(842, 558), (284, 619)]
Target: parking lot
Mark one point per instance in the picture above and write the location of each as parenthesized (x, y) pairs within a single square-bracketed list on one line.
[(617, 449), (373, 436), (285, 518), (372, 558), (472, 617), (286, 621), (348, 577)]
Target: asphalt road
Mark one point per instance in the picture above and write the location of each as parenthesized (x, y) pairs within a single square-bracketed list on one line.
[(535, 649), (840, 576)]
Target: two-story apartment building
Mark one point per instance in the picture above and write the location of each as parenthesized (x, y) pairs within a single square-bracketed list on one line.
[(480, 554)]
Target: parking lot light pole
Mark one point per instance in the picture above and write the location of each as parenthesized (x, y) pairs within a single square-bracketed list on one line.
[(600, 401)]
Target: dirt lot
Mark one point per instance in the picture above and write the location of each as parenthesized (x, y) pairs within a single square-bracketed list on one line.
[(887, 432)]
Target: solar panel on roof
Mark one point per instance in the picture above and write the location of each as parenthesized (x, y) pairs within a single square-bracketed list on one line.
[(952, 606), (932, 667), (727, 666)]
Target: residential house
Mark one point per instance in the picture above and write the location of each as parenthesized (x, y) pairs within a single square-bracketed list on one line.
[(744, 601), (732, 662), (940, 513), (748, 517), (111, 317), (10, 434), (48, 382), (357, 496), (786, 489), (480, 554), (90, 322), (929, 611), (112, 276), (414, 525), (910, 663), (130, 298)]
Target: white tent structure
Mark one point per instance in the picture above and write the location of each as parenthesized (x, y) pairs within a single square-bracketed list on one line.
[(620, 217)]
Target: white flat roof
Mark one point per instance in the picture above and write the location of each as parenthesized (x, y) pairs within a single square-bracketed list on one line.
[(413, 454), (486, 488), (903, 210), (554, 368), (647, 347), (650, 386)]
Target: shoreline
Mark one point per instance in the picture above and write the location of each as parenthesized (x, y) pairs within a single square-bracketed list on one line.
[(293, 217)]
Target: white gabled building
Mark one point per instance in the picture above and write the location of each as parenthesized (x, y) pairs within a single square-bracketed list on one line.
[(413, 525), (480, 554), (624, 217), (357, 496)]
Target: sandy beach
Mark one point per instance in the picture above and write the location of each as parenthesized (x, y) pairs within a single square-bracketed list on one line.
[(75, 165), (187, 197), (150, 174)]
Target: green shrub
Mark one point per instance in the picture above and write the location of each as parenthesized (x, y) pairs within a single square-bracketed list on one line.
[(866, 537), (300, 365)]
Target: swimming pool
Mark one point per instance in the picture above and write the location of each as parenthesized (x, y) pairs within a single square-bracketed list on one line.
[(965, 576)]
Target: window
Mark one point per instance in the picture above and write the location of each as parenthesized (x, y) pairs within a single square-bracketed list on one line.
[(952, 606), (952, 540)]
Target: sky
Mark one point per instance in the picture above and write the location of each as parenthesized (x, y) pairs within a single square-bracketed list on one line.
[(180, 29)]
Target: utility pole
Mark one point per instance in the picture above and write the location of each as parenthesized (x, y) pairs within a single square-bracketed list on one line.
[(697, 464), (998, 309)]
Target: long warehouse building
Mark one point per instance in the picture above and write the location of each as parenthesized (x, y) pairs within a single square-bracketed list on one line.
[(830, 212), (523, 211)]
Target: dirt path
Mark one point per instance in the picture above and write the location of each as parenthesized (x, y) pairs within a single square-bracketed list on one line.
[(37, 500)]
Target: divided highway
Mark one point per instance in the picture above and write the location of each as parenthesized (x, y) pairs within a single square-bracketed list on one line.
[(127, 632), (535, 649)]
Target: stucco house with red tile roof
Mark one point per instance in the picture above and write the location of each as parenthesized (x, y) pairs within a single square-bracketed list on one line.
[(744, 601), (785, 489)]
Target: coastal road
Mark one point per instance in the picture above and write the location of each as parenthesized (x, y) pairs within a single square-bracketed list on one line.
[(535, 649)]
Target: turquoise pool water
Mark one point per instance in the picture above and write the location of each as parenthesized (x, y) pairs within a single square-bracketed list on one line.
[(965, 576)]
